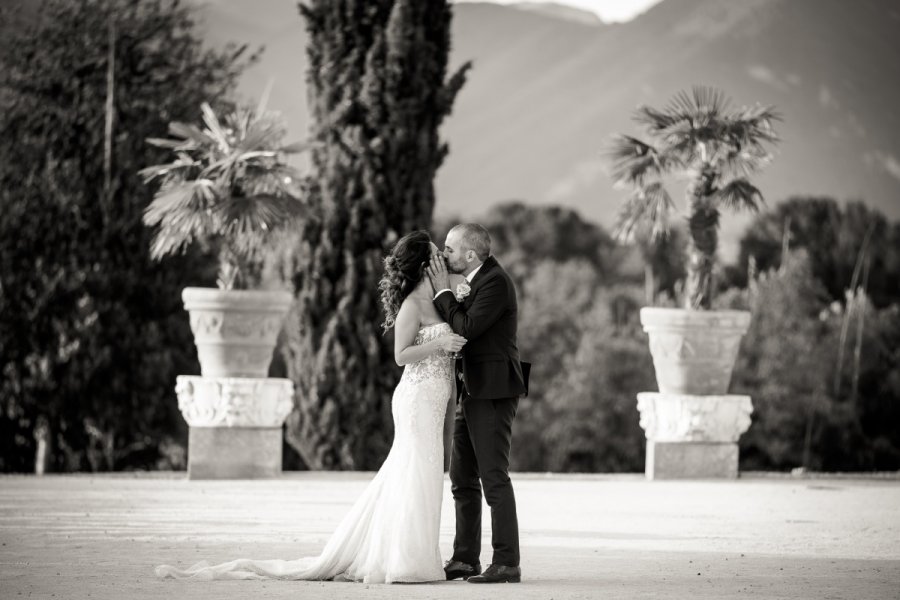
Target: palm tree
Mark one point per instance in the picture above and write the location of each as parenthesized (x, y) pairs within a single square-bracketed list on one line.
[(229, 185), (717, 148)]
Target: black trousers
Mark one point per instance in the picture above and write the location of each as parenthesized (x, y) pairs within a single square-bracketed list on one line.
[(480, 459)]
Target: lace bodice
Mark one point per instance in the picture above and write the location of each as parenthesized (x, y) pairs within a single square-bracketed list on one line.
[(420, 400), (438, 366)]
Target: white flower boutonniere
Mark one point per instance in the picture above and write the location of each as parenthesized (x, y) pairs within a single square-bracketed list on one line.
[(462, 290)]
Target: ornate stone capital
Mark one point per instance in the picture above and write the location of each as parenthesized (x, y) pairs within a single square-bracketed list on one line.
[(234, 401), (689, 418)]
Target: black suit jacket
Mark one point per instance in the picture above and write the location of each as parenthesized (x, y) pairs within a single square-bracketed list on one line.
[(488, 319)]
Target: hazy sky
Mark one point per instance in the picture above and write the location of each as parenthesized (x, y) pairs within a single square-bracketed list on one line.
[(608, 10)]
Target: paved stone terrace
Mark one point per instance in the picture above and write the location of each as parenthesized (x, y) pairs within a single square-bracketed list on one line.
[(605, 537)]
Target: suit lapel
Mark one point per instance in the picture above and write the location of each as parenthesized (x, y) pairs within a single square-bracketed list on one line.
[(486, 266)]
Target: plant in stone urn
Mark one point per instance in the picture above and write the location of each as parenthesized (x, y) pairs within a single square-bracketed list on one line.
[(717, 148), (692, 424), (228, 186)]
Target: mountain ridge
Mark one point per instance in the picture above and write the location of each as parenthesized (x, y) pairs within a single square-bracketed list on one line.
[(560, 11), (546, 93)]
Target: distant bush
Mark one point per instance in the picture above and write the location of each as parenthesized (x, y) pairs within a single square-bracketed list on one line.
[(807, 412), (832, 234)]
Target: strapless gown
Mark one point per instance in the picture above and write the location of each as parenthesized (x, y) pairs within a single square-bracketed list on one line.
[(391, 532)]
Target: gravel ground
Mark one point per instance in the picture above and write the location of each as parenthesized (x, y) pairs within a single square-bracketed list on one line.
[(582, 537)]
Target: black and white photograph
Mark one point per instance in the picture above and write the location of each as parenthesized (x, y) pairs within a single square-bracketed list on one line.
[(449, 299)]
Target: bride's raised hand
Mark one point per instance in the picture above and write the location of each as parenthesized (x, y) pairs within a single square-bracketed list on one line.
[(451, 343)]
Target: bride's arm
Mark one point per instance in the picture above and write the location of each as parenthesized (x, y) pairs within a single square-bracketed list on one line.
[(406, 327)]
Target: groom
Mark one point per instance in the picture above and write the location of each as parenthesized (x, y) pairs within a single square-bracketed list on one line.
[(492, 383)]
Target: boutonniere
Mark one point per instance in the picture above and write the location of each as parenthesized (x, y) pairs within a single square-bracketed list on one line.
[(462, 290)]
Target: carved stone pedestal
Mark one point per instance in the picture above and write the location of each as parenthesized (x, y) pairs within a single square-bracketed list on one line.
[(235, 425), (693, 437), (691, 460), (234, 452)]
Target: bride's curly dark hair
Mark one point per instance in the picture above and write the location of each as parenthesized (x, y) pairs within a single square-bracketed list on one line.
[(404, 268)]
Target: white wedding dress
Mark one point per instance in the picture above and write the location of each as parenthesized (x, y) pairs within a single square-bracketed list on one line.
[(391, 532)]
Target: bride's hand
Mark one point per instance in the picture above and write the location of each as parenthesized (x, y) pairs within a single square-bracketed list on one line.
[(451, 343)]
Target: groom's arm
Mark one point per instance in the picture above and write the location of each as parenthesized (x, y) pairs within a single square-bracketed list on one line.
[(455, 280), (486, 309)]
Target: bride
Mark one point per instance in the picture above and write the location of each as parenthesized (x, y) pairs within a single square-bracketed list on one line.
[(391, 532)]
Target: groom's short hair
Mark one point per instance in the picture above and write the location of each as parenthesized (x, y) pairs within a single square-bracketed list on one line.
[(475, 238)]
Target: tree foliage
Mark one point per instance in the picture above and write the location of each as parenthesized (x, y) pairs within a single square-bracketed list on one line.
[(379, 91), (522, 234), (92, 332), (803, 415), (833, 235)]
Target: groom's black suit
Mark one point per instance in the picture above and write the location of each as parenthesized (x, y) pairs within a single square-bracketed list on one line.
[(492, 383)]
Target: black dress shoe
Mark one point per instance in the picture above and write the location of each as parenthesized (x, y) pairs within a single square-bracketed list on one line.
[(456, 569), (498, 574)]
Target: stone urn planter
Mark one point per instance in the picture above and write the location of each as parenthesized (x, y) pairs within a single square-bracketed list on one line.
[(235, 330), (692, 424), (694, 351), (234, 410), (228, 184)]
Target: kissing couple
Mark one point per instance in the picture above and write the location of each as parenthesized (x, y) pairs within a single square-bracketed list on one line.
[(452, 311)]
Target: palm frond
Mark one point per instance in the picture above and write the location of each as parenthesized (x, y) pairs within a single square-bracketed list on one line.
[(260, 135), (184, 198), (703, 102), (653, 119), (182, 215), (192, 135), (751, 125), (633, 160), (744, 137), (759, 114), (648, 205), (251, 155), (740, 194), (165, 143), (744, 161), (223, 170), (216, 132), (686, 113), (153, 171), (259, 212), (177, 231), (179, 167)]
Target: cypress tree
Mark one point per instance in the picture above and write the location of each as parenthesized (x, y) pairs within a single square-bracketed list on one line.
[(378, 91)]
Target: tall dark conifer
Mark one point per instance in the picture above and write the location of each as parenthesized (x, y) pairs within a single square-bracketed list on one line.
[(378, 91)]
